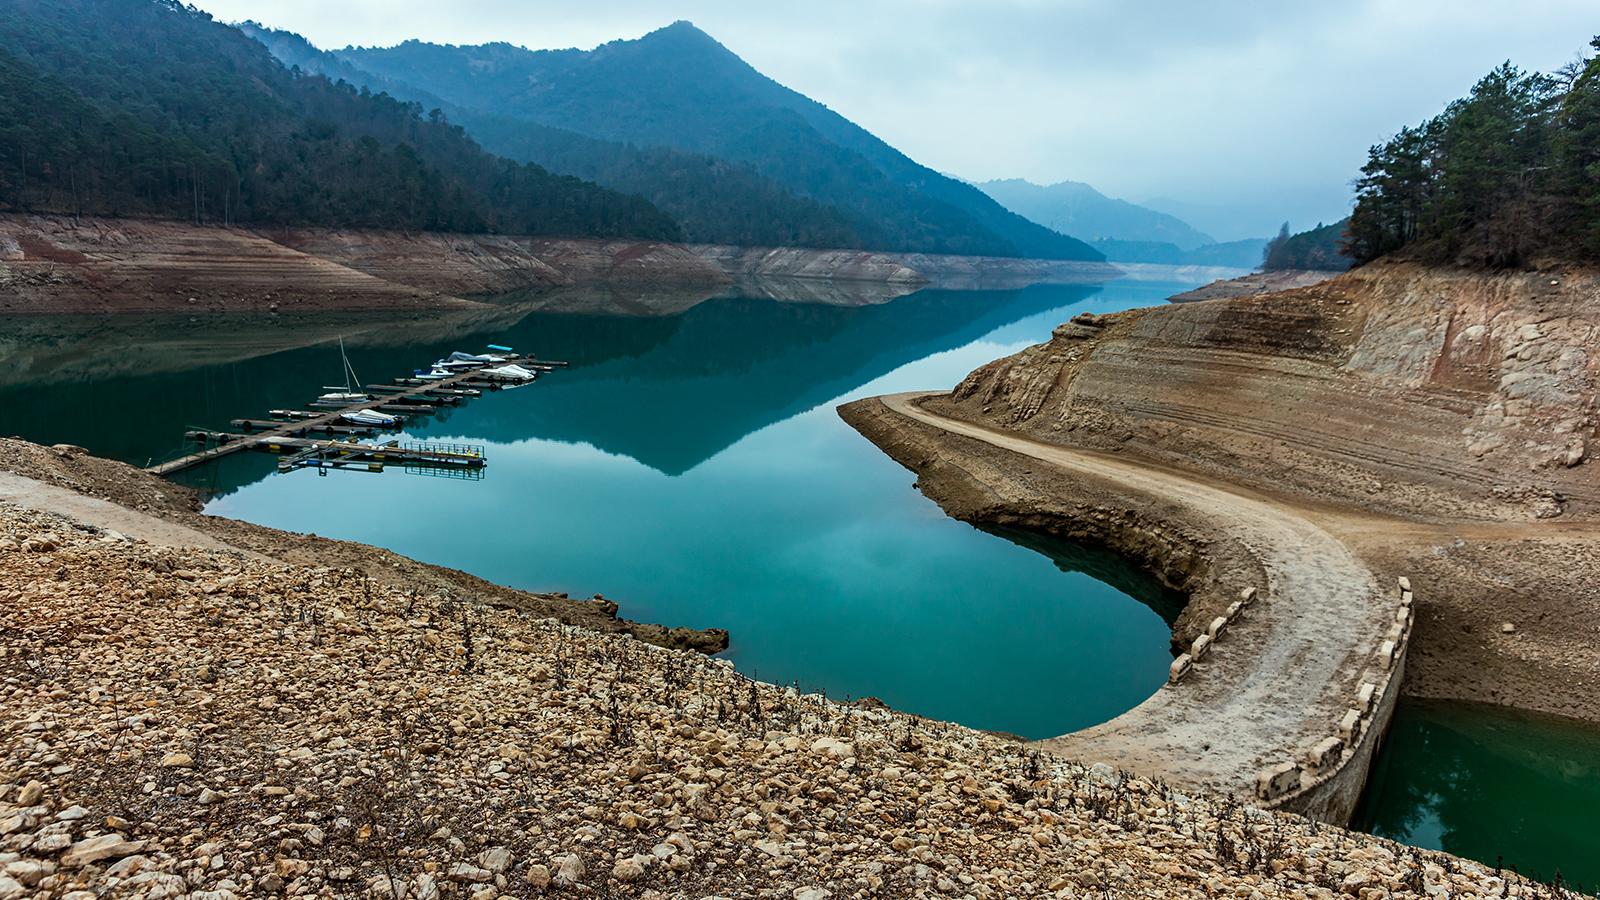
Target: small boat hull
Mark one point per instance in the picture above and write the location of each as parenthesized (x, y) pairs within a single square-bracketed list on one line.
[(370, 418)]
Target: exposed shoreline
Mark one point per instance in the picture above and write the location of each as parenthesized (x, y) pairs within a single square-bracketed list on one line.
[(182, 718), (1254, 701), (104, 494), (1250, 283), (1501, 609), (60, 265)]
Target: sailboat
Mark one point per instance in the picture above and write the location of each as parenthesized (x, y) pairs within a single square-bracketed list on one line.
[(345, 393)]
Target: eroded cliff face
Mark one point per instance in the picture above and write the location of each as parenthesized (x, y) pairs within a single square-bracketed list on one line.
[(1409, 391)]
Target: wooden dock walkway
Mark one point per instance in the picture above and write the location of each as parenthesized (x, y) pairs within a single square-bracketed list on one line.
[(407, 397)]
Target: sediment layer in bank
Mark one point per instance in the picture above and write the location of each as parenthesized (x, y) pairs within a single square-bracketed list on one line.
[(62, 265)]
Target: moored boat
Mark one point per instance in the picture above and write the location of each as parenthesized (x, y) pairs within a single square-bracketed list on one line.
[(371, 418), (512, 372)]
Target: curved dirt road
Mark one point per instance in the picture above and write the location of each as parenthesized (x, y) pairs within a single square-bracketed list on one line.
[(1280, 677), (31, 494)]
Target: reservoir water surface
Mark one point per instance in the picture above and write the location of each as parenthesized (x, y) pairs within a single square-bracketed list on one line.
[(691, 466)]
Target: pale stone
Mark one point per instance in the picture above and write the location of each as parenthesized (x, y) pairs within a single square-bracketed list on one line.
[(1350, 726), (569, 870), (1365, 695), (628, 868), (30, 794), (1326, 753), (495, 859), (1386, 654), (105, 846), (833, 747), (128, 865), (1277, 781), (467, 872), (1180, 667)]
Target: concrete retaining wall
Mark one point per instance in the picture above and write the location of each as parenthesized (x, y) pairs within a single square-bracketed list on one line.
[(1202, 645), (1325, 782)]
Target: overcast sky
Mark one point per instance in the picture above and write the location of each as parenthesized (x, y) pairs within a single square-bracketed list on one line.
[(1264, 110)]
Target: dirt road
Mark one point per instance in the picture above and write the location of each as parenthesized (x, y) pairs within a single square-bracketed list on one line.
[(105, 516), (1280, 677)]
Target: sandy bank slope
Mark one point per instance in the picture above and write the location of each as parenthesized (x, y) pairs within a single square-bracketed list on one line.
[(176, 720), (53, 264)]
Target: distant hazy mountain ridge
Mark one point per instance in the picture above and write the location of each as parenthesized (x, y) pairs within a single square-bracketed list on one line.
[(678, 88), (1075, 208), (1123, 231), (1245, 254)]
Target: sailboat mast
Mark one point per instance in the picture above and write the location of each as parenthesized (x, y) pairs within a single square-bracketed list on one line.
[(350, 377)]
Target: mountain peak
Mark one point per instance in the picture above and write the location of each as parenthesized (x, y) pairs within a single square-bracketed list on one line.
[(682, 35), (681, 26)]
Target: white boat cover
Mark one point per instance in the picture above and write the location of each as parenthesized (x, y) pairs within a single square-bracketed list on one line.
[(513, 371)]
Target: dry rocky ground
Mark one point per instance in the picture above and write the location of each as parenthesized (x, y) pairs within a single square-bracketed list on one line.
[(207, 723)]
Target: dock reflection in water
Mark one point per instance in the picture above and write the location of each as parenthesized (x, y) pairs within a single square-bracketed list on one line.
[(689, 464)]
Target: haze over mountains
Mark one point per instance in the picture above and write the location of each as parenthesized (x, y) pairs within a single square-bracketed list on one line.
[(151, 108), (1075, 208), (1123, 231), (680, 119)]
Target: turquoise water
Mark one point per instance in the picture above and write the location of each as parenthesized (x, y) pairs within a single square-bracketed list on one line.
[(1491, 784), (693, 468)]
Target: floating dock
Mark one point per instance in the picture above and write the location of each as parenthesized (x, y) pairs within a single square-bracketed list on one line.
[(287, 432)]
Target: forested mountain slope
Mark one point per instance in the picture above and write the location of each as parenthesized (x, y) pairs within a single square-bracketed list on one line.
[(679, 88), (714, 201), (148, 107)]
